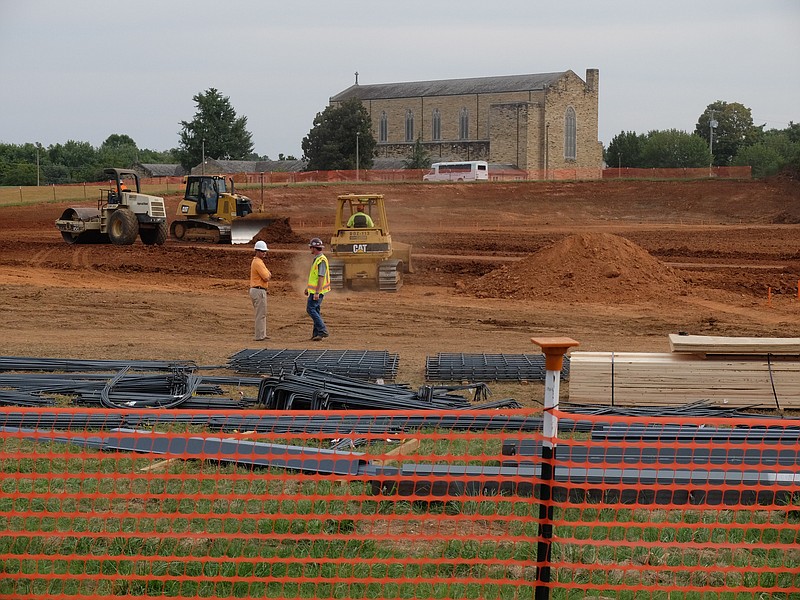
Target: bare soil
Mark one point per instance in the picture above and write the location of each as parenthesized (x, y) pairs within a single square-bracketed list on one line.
[(616, 265)]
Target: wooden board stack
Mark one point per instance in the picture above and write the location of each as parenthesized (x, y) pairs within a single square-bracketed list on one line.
[(736, 372)]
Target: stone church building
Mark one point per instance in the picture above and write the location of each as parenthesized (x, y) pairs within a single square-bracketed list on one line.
[(539, 123)]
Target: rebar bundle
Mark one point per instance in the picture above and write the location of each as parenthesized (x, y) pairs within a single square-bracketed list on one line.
[(178, 387), (318, 390), (67, 365)]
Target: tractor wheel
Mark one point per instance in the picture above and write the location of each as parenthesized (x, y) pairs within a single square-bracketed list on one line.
[(154, 236), (123, 227), (178, 230)]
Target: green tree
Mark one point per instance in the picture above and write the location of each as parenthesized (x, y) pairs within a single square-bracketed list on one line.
[(778, 150), (420, 158), (159, 157), (331, 142), (625, 150), (672, 148), (215, 131), (734, 129), (18, 164), (118, 150), (79, 158)]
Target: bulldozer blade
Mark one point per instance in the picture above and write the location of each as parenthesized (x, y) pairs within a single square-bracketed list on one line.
[(245, 229)]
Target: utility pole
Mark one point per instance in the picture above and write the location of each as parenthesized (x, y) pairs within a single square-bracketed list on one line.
[(358, 134), (38, 145), (712, 123)]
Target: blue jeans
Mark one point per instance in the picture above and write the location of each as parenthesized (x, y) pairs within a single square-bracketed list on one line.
[(313, 309)]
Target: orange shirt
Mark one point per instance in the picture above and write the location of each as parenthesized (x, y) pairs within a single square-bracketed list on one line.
[(259, 273)]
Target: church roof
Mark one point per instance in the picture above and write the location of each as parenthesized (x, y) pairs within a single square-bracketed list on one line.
[(450, 87), (161, 170)]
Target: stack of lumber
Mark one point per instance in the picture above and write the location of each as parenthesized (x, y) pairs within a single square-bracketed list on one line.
[(715, 344), (735, 372)]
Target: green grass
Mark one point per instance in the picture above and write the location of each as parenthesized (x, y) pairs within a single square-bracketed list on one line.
[(80, 194)]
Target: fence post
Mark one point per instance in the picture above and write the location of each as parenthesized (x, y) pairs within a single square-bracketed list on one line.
[(554, 350)]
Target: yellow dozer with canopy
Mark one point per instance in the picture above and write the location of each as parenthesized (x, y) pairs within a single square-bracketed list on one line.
[(362, 250)]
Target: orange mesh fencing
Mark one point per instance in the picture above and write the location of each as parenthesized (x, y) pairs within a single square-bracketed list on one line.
[(103, 503), (678, 173)]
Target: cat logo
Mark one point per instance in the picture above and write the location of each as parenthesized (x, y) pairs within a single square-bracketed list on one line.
[(359, 248)]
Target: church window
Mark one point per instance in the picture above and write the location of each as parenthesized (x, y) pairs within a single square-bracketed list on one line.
[(436, 125), (570, 135), (383, 133), (463, 124), (409, 125)]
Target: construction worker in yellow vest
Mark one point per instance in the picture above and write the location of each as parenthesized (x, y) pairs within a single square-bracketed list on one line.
[(319, 284)]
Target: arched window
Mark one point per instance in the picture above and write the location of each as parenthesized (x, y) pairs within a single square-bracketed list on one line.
[(463, 124), (436, 125), (383, 134), (409, 125), (570, 135)]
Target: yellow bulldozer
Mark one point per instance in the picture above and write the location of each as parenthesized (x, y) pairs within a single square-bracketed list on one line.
[(212, 211), (361, 248)]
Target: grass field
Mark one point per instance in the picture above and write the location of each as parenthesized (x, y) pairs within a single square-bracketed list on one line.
[(83, 193)]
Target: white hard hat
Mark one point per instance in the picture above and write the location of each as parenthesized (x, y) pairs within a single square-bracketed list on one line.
[(262, 246)]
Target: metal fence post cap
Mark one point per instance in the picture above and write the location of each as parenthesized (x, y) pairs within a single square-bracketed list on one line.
[(554, 349)]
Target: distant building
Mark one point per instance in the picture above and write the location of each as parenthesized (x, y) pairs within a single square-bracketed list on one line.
[(534, 122), (159, 170)]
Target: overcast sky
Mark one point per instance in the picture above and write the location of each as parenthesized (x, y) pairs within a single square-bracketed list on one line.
[(85, 69)]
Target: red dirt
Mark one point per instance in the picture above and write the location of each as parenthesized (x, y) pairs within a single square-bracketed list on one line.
[(616, 265)]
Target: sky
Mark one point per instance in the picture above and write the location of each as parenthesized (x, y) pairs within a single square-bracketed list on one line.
[(86, 69)]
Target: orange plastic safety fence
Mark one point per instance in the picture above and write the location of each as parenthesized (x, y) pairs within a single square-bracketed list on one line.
[(329, 505), (191, 511), (709, 506), (678, 173)]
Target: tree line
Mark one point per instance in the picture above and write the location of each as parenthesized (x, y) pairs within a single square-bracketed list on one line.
[(341, 139), (723, 136)]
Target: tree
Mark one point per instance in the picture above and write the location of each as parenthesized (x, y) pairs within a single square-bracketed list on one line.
[(625, 150), (777, 150), (420, 158), (672, 148), (331, 142), (118, 150), (734, 130), (215, 131), (79, 158)]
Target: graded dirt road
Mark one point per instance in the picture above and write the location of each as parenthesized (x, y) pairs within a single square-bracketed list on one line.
[(615, 265)]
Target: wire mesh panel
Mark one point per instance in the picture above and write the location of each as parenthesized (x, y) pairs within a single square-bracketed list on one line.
[(360, 364), (451, 366)]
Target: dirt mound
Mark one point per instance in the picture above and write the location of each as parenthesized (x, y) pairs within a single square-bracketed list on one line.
[(279, 231), (590, 267)]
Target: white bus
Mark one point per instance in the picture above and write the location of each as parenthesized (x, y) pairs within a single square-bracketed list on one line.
[(468, 170)]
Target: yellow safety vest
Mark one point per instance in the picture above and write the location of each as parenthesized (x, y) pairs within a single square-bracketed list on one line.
[(313, 276)]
